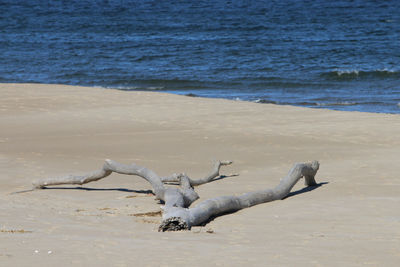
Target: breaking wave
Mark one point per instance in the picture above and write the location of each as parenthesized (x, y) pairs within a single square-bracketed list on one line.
[(360, 74)]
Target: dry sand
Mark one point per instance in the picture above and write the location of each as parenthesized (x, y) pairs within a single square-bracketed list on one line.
[(47, 130)]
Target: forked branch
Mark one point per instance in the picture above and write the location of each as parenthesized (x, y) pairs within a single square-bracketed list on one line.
[(177, 215), (195, 182), (178, 197)]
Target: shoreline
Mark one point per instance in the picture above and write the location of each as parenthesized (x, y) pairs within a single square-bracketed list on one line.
[(53, 130), (302, 103)]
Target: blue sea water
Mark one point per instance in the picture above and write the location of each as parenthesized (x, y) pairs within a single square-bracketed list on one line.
[(339, 54)]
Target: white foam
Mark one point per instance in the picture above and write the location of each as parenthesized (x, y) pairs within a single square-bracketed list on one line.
[(347, 72), (129, 88), (344, 103)]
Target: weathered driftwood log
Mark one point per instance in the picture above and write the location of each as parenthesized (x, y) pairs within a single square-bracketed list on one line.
[(178, 218), (176, 214)]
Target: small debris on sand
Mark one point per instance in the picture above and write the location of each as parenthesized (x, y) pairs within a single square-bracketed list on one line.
[(147, 214), (21, 231)]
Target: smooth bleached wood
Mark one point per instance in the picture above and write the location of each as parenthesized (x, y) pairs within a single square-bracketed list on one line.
[(174, 197), (175, 218), (108, 167), (176, 214), (195, 182)]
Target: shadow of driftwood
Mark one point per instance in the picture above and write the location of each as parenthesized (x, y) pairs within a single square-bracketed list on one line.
[(224, 176), (291, 194), (212, 218), (215, 179), (305, 190), (100, 189), (114, 189)]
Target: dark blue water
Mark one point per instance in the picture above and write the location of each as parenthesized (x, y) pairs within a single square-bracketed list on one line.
[(325, 54)]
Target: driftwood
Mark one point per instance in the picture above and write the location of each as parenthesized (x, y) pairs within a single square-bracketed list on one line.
[(176, 212)]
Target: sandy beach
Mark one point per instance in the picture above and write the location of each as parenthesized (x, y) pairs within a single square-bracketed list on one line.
[(352, 219)]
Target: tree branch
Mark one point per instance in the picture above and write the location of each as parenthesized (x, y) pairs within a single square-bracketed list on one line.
[(176, 197), (195, 182), (175, 218), (108, 167), (177, 215)]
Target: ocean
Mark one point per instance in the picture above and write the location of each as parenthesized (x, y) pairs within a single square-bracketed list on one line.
[(341, 55)]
